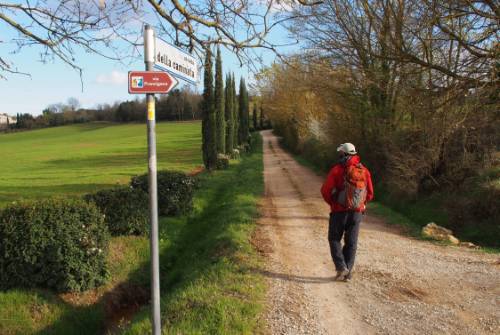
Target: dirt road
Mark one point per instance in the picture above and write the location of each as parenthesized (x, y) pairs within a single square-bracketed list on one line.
[(401, 285)]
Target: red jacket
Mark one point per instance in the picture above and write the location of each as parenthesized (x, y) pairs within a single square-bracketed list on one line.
[(335, 179)]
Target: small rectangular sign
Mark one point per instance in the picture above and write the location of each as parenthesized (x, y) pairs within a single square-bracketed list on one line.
[(141, 82), (151, 110), (176, 61)]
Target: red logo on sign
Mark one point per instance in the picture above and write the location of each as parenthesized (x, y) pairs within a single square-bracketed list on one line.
[(141, 82)]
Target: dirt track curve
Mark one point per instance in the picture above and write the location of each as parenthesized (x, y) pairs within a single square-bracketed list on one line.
[(401, 285)]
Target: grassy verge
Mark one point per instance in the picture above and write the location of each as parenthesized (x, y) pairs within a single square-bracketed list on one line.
[(207, 285), (207, 282), (413, 214), (34, 311)]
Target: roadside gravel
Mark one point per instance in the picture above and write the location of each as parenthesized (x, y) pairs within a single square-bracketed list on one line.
[(401, 285)]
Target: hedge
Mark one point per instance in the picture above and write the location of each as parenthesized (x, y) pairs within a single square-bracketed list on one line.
[(222, 162), (57, 243), (125, 210), (175, 191)]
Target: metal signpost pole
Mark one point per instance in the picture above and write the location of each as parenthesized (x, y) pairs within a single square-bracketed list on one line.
[(149, 52)]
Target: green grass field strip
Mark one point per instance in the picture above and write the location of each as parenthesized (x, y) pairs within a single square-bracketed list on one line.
[(207, 262), (209, 285), (77, 159)]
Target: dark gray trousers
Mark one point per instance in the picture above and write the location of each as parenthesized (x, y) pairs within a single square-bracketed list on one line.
[(344, 224)]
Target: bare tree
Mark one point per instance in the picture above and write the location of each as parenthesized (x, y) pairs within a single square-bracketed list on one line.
[(240, 25), (65, 28), (456, 40), (415, 82), (73, 103)]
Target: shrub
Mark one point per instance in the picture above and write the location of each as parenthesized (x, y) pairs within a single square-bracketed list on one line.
[(125, 209), (235, 154), (175, 191), (473, 212), (245, 147), (59, 244), (321, 154), (222, 162)]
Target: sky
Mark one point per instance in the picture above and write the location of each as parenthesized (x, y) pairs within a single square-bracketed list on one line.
[(104, 81)]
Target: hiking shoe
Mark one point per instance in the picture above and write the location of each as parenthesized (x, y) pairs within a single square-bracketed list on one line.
[(341, 274), (348, 277)]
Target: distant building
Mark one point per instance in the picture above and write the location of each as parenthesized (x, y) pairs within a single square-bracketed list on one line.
[(6, 120)]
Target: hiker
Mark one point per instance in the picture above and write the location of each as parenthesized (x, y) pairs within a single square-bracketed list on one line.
[(347, 189)]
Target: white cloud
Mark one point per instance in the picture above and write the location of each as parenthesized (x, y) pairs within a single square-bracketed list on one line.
[(113, 78)]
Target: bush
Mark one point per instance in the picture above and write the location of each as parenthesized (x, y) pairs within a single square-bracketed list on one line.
[(245, 147), (321, 154), (58, 244), (175, 191), (235, 154), (126, 210), (222, 162), (473, 212)]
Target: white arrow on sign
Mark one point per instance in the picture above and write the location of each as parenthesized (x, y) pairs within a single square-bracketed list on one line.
[(176, 61)]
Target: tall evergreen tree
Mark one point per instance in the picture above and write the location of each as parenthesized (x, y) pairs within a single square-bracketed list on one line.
[(220, 135), (228, 108), (208, 121), (236, 115), (247, 112), (243, 113), (254, 116), (261, 117)]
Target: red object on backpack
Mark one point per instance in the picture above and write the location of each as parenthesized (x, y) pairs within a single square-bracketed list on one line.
[(348, 187)]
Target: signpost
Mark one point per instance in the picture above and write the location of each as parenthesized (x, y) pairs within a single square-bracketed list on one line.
[(149, 50), (163, 56), (141, 82)]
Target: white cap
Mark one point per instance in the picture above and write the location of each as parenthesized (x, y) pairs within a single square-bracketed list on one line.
[(348, 148)]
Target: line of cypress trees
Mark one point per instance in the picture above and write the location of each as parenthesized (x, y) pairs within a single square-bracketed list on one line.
[(229, 115), (226, 116), (219, 105), (209, 146)]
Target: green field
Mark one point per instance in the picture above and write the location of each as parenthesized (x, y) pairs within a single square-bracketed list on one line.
[(77, 159), (208, 280)]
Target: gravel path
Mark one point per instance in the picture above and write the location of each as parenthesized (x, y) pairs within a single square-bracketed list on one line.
[(401, 285)]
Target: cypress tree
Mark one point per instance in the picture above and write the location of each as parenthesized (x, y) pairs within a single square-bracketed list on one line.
[(236, 115), (261, 117), (228, 108), (219, 106), (243, 113), (254, 117), (208, 111), (247, 114)]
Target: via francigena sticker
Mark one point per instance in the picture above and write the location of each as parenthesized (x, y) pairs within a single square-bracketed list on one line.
[(151, 110)]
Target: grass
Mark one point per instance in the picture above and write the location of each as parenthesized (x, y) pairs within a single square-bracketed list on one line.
[(208, 285), (416, 213), (83, 158), (35, 311)]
